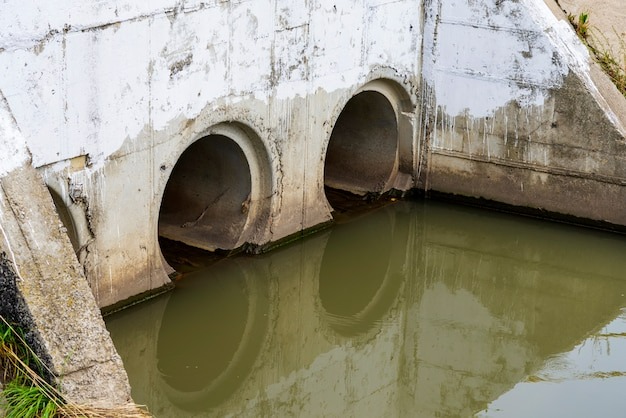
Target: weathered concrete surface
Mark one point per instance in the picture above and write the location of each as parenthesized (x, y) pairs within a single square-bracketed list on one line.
[(123, 90), (120, 102), (44, 290), (543, 128)]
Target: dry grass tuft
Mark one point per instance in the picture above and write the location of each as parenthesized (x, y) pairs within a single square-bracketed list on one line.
[(612, 62), (27, 394)]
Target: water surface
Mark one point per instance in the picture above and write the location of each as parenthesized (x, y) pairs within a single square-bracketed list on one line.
[(420, 309)]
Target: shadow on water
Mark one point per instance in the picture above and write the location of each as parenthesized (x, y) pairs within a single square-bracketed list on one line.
[(417, 309)]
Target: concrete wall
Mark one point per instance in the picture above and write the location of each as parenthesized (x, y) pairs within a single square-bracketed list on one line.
[(109, 96), (520, 115), (219, 123)]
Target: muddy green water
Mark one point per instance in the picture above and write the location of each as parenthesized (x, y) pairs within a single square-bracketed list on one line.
[(420, 309)]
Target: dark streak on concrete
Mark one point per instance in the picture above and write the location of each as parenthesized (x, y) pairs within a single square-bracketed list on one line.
[(13, 308)]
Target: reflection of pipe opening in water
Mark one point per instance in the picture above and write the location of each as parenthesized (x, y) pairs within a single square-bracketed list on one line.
[(205, 350), (356, 287), (205, 203)]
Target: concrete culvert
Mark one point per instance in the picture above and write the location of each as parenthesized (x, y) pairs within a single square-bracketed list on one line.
[(205, 203), (361, 155)]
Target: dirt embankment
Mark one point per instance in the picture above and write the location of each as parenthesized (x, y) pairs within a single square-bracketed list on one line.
[(607, 20)]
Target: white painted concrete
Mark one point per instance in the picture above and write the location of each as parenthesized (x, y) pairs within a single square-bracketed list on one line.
[(507, 57), (71, 70), (14, 152)]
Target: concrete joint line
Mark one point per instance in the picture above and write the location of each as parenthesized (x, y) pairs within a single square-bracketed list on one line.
[(467, 73), (553, 170), (68, 29), (475, 25)]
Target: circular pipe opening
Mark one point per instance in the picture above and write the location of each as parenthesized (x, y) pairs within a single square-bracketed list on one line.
[(206, 199), (362, 150)]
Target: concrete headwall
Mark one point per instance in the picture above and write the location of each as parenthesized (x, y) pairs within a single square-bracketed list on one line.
[(110, 95), (219, 123)]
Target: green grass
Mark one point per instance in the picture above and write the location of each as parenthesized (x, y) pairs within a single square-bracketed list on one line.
[(613, 63), (22, 401), (12, 345), (580, 24), (28, 395)]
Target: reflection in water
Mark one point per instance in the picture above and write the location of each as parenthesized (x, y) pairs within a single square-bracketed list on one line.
[(588, 380), (355, 288), (189, 367), (359, 268), (210, 333), (418, 309)]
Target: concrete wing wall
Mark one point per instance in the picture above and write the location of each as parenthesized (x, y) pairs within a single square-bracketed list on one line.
[(520, 113), (42, 287)]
